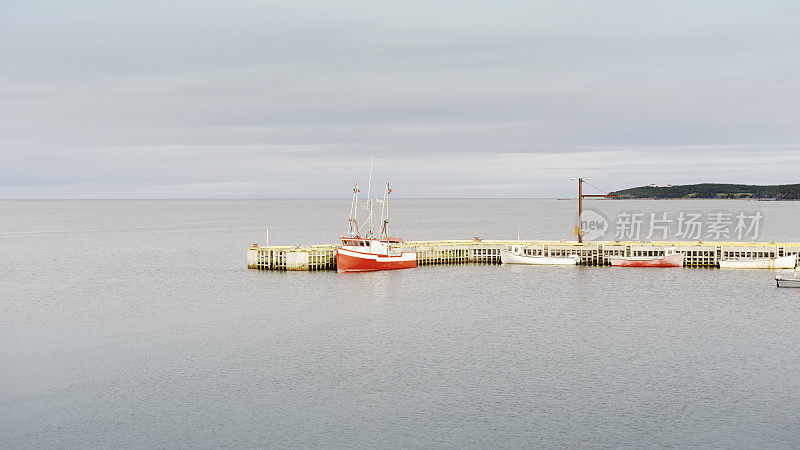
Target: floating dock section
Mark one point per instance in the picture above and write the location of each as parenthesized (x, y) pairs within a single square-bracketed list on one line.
[(698, 254)]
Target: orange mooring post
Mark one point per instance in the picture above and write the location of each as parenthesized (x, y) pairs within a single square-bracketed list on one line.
[(579, 228)]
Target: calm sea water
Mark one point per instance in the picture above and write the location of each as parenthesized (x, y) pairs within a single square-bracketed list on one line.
[(137, 324)]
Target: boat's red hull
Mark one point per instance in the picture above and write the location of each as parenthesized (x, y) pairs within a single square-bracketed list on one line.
[(348, 261), (667, 261)]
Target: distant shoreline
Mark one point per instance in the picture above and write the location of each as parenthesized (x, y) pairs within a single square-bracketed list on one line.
[(712, 191)]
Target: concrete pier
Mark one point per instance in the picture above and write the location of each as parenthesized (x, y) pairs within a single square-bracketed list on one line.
[(698, 254)]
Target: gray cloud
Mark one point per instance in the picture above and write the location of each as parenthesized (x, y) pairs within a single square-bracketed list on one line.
[(261, 99)]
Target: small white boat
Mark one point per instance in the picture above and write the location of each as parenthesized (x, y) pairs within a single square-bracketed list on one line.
[(787, 282), (515, 254), (784, 262)]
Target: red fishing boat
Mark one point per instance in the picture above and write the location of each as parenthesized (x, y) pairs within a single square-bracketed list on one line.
[(368, 253), (363, 255), (670, 258)]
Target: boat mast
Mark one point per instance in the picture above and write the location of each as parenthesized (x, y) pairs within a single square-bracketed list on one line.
[(352, 226), (369, 198), (385, 211)]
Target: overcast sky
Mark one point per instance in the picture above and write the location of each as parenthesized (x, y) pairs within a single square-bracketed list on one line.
[(242, 99)]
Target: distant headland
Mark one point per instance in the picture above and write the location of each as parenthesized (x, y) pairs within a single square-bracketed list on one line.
[(712, 190)]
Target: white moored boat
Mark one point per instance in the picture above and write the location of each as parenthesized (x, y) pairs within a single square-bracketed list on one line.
[(784, 262), (787, 282), (515, 254)]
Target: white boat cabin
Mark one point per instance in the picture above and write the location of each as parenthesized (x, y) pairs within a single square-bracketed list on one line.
[(388, 246), (516, 249)]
